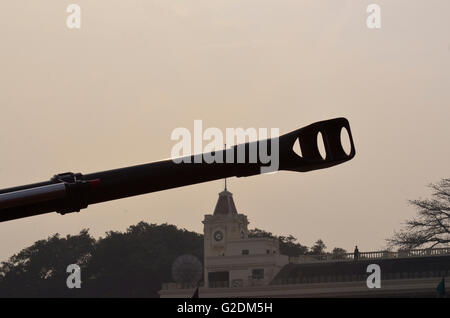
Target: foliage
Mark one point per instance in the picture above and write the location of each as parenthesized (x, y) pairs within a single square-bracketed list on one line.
[(318, 248), (129, 264), (288, 244), (431, 226), (338, 253)]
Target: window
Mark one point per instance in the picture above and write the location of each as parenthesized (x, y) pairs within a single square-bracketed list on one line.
[(218, 279), (258, 273), (268, 251), (245, 252)]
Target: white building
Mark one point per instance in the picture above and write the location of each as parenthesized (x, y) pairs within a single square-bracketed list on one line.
[(231, 258)]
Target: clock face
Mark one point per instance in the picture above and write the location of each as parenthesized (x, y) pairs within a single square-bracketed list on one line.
[(218, 236)]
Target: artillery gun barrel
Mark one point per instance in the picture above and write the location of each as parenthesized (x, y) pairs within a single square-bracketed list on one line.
[(71, 192)]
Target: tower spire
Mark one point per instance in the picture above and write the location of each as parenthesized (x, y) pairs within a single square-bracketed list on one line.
[(225, 150)]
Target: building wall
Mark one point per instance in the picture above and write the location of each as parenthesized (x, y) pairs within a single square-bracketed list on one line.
[(227, 255), (255, 246), (422, 287)]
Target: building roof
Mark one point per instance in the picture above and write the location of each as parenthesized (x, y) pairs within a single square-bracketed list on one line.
[(342, 271), (225, 204)]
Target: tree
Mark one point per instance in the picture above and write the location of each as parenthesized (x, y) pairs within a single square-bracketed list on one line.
[(431, 227), (40, 270), (129, 264), (318, 248), (135, 263), (290, 247), (338, 253), (259, 233), (288, 244)]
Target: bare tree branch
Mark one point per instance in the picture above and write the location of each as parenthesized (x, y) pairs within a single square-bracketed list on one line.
[(431, 226)]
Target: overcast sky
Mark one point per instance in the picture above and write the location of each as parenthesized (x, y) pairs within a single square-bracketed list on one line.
[(110, 94)]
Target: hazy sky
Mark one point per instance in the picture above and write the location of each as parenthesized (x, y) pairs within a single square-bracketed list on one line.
[(109, 95)]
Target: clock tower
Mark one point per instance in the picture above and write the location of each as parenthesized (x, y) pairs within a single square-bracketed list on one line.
[(232, 259), (223, 226)]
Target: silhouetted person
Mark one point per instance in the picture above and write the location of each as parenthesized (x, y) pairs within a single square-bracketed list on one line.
[(356, 253)]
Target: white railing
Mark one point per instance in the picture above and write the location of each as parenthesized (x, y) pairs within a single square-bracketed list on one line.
[(369, 255)]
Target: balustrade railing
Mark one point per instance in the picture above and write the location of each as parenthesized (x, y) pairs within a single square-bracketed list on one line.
[(369, 255)]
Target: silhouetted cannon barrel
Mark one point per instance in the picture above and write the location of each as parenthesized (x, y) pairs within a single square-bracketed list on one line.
[(71, 192)]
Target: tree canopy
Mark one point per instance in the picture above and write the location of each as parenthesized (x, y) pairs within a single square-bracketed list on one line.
[(130, 264)]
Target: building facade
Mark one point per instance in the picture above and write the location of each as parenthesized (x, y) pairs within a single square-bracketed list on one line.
[(231, 258)]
